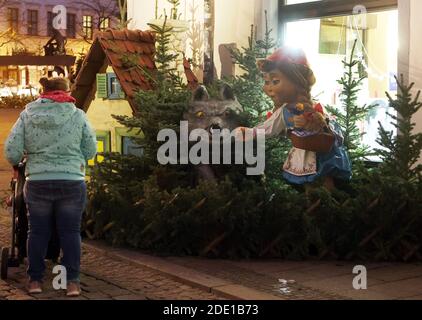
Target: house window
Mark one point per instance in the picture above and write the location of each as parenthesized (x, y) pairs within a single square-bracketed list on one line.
[(326, 30), (33, 22), (87, 26), (131, 148), (115, 91), (71, 25), (50, 18), (104, 24), (103, 146), (108, 87), (13, 18), (126, 143)]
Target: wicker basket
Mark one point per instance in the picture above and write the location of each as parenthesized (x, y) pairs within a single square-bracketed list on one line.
[(320, 143)]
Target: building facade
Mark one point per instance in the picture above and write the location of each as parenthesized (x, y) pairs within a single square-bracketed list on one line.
[(26, 26)]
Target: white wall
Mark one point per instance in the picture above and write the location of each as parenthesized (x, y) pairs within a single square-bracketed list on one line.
[(410, 48)]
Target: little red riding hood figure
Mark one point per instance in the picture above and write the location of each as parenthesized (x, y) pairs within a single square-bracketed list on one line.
[(318, 154)]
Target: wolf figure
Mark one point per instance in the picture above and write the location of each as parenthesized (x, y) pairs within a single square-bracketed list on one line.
[(209, 114)]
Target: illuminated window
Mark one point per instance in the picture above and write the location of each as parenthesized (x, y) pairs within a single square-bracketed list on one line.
[(87, 26), (329, 40), (103, 146), (105, 24)]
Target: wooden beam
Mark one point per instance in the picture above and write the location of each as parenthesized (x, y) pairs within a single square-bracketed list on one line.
[(329, 8), (25, 60)]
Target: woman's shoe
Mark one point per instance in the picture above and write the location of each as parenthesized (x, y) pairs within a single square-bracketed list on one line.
[(34, 287), (73, 289)]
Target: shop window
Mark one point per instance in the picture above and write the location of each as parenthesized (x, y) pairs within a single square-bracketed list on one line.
[(328, 40)]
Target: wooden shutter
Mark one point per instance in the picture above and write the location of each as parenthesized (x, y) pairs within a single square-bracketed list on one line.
[(102, 91)]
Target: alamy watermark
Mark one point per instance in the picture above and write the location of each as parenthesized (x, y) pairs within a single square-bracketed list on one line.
[(360, 282), (60, 281), (207, 145), (60, 19)]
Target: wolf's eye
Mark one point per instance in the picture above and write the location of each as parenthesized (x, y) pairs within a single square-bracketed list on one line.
[(227, 113), (200, 114)]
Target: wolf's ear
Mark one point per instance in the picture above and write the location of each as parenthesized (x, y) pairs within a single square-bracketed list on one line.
[(226, 93), (201, 94)]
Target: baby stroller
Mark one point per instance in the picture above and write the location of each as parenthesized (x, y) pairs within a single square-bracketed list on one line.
[(14, 257)]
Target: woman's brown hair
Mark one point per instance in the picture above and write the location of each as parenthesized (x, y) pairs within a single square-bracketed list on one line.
[(53, 84)]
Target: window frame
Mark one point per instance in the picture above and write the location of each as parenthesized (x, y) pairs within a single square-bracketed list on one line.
[(33, 22), (116, 95), (13, 21), (121, 133), (326, 8), (105, 136)]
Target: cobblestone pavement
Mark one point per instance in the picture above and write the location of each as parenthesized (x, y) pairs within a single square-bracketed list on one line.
[(286, 290), (102, 278)]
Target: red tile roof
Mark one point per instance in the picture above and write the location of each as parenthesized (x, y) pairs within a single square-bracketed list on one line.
[(109, 48)]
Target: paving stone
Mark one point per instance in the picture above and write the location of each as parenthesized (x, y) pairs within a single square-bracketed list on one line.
[(129, 297), (96, 295)]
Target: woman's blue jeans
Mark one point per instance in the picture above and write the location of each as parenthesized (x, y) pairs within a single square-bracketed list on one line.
[(66, 201)]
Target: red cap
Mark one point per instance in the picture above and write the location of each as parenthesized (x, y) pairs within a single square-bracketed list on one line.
[(290, 55)]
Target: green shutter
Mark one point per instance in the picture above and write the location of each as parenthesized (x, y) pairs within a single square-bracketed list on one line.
[(102, 91)]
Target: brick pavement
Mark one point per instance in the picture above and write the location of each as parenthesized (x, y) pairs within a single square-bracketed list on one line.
[(102, 278)]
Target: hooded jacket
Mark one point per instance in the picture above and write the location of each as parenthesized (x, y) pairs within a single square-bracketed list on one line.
[(56, 139)]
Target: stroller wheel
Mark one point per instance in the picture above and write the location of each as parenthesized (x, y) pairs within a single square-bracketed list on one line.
[(4, 262)]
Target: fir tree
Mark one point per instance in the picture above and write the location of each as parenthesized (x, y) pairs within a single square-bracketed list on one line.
[(350, 113), (248, 86), (401, 151), (163, 107)]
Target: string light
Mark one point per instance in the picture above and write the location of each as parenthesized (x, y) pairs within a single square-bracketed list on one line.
[(374, 73)]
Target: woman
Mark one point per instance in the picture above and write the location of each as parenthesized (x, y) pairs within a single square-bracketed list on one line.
[(288, 82), (57, 141)]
